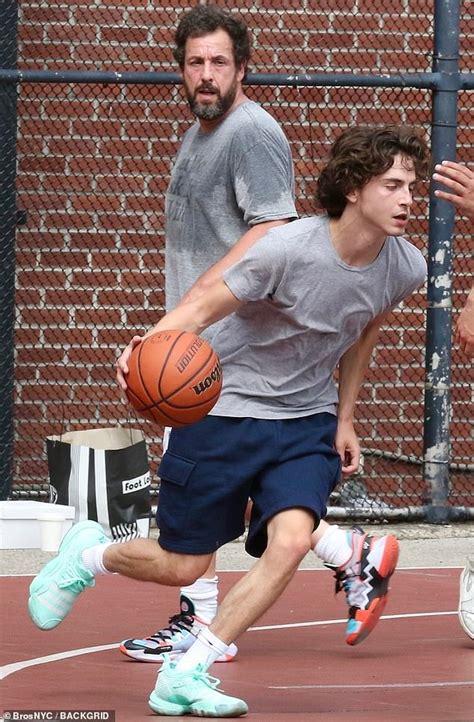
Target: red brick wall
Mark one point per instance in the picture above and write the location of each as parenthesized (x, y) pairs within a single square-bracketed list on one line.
[(93, 164)]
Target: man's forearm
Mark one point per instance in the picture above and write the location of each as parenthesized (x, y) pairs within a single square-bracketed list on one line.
[(197, 314)]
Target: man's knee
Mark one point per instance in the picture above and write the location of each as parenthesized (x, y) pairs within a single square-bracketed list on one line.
[(289, 535), (189, 567), (291, 549)]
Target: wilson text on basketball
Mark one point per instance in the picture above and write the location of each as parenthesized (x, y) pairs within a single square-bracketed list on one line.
[(213, 378)]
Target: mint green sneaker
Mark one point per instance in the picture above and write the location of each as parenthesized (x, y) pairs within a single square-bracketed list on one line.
[(54, 590), (192, 692)]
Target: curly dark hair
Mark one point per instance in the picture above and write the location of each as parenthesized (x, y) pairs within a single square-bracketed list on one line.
[(361, 153), (204, 19)]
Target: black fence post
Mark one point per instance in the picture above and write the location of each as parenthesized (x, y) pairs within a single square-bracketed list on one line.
[(439, 314), (8, 217)]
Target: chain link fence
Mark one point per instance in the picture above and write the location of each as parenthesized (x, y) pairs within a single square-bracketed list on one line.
[(93, 157)]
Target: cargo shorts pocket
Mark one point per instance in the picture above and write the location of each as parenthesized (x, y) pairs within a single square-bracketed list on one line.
[(174, 500), (175, 469)]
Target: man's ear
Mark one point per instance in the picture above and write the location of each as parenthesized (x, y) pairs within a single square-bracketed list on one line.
[(353, 196)]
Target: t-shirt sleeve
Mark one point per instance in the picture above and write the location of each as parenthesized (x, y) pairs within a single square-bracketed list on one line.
[(256, 276), (263, 177), (413, 270)]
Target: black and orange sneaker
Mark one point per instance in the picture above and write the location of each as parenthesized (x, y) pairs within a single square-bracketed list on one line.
[(364, 579)]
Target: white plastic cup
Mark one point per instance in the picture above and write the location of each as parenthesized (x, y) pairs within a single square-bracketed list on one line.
[(51, 531)]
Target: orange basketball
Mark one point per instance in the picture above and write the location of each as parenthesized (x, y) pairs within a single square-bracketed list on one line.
[(174, 378)]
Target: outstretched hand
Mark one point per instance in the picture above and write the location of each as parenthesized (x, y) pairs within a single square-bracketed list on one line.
[(459, 179)]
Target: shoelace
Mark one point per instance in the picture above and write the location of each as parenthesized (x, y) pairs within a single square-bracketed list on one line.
[(344, 579), (343, 582), (200, 676), (70, 578), (177, 623)]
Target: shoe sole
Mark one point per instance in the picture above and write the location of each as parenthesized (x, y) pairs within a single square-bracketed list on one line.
[(170, 709), (139, 656), (466, 620), (465, 615), (372, 616), (37, 585), (385, 568)]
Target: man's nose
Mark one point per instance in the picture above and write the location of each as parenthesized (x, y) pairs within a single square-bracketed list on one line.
[(407, 197), (207, 70)]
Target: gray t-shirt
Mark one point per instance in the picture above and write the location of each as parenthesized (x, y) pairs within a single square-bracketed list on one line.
[(223, 182), (305, 308)]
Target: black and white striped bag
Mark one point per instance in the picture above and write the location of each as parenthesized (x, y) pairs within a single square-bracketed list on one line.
[(104, 474)]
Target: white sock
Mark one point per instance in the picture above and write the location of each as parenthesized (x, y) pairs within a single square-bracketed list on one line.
[(93, 559), (203, 594), (205, 650), (333, 547)]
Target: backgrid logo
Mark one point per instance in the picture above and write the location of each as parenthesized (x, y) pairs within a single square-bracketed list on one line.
[(107, 715)]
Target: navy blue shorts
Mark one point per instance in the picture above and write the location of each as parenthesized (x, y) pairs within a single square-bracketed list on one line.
[(212, 468)]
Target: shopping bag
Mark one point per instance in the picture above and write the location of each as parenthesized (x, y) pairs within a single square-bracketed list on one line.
[(104, 474)]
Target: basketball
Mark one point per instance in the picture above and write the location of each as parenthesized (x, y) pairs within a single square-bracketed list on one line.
[(174, 378)]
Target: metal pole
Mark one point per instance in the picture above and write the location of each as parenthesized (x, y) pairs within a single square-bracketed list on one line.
[(441, 226), (8, 57), (398, 80), (345, 80)]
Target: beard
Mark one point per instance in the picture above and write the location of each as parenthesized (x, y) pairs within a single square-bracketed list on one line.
[(211, 111)]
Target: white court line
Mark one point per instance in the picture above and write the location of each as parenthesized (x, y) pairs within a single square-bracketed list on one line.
[(408, 685), (322, 623), (8, 669)]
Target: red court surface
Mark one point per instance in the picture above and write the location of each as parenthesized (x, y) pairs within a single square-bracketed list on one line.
[(294, 665)]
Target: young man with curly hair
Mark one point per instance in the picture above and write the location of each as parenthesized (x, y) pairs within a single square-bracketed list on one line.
[(306, 299)]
